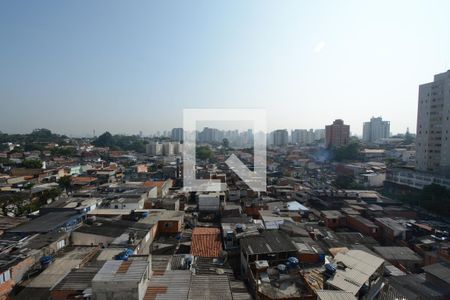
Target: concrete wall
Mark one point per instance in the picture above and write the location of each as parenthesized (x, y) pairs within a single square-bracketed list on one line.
[(86, 239)]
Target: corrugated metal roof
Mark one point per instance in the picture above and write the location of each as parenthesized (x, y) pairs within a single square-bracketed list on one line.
[(439, 270), (359, 265), (78, 279), (173, 285), (61, 267), (398, 254), (206, 287), (135, 269), (334, 295), (271, 241)]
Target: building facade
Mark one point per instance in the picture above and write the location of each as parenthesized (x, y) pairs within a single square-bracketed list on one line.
[(280, 137), (375, 130), (337, 134), (433, 125), (177, 134)]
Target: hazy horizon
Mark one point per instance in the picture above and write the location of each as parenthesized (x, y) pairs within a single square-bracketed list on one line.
[(75, 67)]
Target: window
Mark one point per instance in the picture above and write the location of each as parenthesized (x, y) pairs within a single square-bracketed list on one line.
[(60, 244), (5, 276)]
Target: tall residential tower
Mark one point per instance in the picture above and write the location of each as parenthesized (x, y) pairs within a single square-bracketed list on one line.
[(337, 134), (375, 130), (433, 125)]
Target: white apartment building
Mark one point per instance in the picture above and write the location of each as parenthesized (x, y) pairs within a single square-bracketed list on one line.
[(415, 179), (163, 149), (376, 130), (280, 137), (304, 136), (154, 148), (433, 125)]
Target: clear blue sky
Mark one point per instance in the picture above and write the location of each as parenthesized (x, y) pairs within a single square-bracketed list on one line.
[(126, 66)]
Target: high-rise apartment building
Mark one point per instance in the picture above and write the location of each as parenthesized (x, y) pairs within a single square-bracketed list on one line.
[(177, 134), (433, 125), (280, 137), (375, 130), (337, 134), (303, 136)]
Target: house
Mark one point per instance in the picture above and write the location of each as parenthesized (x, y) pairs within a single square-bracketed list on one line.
[(391, 230), (65, 220), (72, 257), (363, 225), (332, 218), (401, 257), (439, 276), (355, 269), (162, 187), (210, 203), (76, 283), (119, 279), (20, 252), (270, 243), (206, 242), (273, 220), (117, 233), (308, 250), (269, 261), (127, 203)]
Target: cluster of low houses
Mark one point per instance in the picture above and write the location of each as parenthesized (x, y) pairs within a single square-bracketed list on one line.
[(121, 234)]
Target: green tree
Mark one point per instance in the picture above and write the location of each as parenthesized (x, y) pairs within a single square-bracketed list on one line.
[(104, 140), (435, 198), (63, 151), (348, 152), (226, 143), (409, 138), (65, 182), (32, 163), (203, 153), (347, 182)]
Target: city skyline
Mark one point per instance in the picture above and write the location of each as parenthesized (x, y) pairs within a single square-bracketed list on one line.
[(142, 64)]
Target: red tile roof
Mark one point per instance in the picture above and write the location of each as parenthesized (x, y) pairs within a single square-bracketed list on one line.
[(158, 184), (206, 242), (81, 180)]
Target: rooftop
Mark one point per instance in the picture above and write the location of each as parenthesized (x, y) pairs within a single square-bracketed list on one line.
[(205, 287), (331, 214), (119, 270), (440, 270), (48, 222), (206, 242), (272, 241), (334, 295), (397, 253), (71, 258), (359, 267), (170, 285), (391, 223)]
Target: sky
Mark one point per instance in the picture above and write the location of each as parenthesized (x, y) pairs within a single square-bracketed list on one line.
[(130, 66)]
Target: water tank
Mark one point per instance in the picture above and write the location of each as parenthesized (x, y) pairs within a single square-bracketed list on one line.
[(124, 254), (330, 268), (230, 235), (292, 262), (282, 268), (46, 260)]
